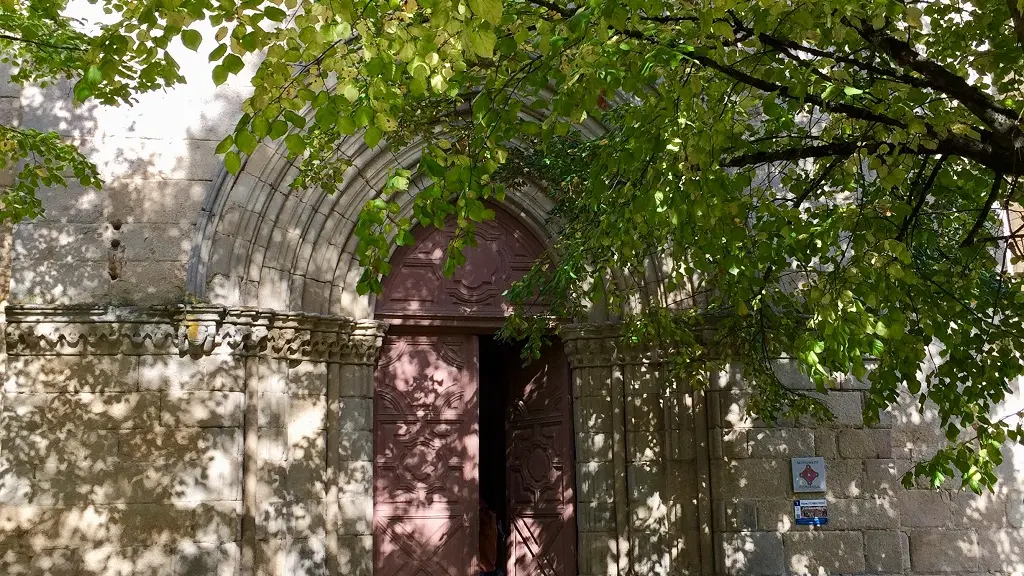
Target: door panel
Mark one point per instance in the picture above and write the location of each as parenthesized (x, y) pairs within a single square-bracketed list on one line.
[(425, 457), (540, 458)]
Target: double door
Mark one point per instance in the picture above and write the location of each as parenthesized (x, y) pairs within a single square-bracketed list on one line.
[(427, 454)]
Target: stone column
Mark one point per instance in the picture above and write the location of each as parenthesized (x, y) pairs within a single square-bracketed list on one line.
[(600, 452), (350, 452), (636, 446), (310, 378)]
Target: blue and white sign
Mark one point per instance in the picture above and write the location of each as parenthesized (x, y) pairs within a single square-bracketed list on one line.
[(810, 512)]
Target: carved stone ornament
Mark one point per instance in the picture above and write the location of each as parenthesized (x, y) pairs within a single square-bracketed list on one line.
[(191, 330)]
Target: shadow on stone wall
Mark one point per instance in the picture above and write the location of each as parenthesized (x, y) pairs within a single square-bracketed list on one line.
[(875, 524), (120, 465), (129, 242)]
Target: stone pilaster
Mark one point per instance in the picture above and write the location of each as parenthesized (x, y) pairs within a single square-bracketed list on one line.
[(599, 413), (350, 456), (637, 458)]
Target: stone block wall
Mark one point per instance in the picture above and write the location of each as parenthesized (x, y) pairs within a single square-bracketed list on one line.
[(876, 526), (174, 442), (130, 241)]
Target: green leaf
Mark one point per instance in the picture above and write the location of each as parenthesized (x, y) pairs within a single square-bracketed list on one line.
[(82, 91), (191, 39), (351, 93), (346, 125), (93, 76), (489, 10), (233, 63), (277, 129), (218, 52), (851, 91), (225, 144), (245, 142), (220, 74), (275, 14), (295, 143), (260, 127), (372, 136), (233, 162), (482, 42)]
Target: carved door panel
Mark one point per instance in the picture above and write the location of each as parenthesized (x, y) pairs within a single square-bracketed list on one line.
[(425, 457), (540, 464)]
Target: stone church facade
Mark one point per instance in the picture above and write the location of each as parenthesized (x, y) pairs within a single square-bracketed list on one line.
[(193, 386)]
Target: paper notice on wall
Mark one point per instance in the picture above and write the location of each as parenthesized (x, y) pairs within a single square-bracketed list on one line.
[(810, 512)]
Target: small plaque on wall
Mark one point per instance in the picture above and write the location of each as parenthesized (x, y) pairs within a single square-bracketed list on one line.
[(810, 512), (808, 474)]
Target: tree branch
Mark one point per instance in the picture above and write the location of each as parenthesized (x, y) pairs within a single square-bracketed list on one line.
[(954, 145), (922, 195), (13, 38), (785, 43), (997, 182), (1000, 119)]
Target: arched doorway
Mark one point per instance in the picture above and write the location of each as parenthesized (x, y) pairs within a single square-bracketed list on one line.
[(459, 420)]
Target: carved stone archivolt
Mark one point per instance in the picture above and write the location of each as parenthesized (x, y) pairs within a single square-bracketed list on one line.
[(190, 330)]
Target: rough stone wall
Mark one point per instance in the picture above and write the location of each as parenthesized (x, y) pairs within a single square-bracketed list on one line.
[(173, 442), (875, 525)]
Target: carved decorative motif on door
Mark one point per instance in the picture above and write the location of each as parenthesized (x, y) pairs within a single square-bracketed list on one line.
[(425, 456)]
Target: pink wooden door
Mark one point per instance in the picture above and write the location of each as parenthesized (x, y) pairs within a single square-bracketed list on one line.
[(425, 457), (540, 466)]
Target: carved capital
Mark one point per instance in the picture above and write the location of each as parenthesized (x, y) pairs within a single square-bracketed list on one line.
[(591, 345)]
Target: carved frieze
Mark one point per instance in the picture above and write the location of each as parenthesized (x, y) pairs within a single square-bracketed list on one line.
[(191, 330)]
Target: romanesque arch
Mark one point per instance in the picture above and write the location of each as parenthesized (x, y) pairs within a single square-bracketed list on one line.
[(290, 254), (260, 243)]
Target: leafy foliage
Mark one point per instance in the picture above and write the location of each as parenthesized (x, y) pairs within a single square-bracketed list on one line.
[(832, 181)]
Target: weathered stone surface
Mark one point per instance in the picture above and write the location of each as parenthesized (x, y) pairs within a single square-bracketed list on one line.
[(759, 553), (734, 516), (985, 511), (1015, 508), (945, 551), (752, 478), (884, 476), (863, 513), (883, 551), (646, 446), (847, 407), (825, 444), (595, 413), (924, 509), (865, 443), (202, 409), (828, 552), (68, 374), (1001, 551), (845, 479), (780, 442)]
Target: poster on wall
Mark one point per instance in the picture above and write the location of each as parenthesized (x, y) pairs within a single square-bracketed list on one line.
[(810, 512), (808, 474)]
